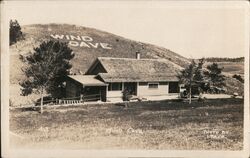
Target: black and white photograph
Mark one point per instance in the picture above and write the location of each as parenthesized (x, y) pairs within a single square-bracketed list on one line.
[(125, 79)]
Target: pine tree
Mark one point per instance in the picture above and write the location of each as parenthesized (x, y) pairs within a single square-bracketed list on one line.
[(199, 76), (215, 77), (187, 77), (15, 33), (192, 76), (46, 69)]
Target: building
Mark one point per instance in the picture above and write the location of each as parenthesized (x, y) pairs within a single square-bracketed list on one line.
[(107, 78)]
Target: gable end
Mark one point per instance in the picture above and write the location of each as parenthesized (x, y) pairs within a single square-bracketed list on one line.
[(96, 68)]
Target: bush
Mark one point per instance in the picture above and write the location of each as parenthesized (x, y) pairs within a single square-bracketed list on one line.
[(239, 78), (126, 96), (234, 86), (202, 99)]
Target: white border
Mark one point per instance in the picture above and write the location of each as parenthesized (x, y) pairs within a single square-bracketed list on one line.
[(4, 82), (114, 153)]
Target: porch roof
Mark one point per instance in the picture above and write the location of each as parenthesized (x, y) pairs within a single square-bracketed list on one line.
[(87, 80)]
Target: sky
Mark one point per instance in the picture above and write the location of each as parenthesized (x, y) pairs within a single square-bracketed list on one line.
[(191, 29)]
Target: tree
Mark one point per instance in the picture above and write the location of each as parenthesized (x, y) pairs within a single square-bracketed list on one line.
[(202, 80), (215, 77), (46, 69), (15, 33), (238, 77), (199, 74), (192, 76)]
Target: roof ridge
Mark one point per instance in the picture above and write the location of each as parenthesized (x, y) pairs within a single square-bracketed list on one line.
[(130, 58)]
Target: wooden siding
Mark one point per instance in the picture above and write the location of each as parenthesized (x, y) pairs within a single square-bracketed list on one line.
[(143, 90), (114, 96)]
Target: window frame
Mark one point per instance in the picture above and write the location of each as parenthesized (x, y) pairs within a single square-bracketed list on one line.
[(110, 86), (153, 83)]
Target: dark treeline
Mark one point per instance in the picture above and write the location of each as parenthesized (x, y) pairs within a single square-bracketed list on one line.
[(216, 59)]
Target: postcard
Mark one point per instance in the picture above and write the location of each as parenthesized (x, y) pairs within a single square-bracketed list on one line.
[(125, 79)]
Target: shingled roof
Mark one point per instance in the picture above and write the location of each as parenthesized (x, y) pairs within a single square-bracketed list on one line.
[(138, 70), (87, 80)]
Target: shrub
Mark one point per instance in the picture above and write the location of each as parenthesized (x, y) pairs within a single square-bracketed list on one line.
[(239, 78), (126, 96)]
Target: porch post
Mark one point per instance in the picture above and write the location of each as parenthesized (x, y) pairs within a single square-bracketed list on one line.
[(122, 86), (100, 91), (137, 88), (168, 88), (107, 88)]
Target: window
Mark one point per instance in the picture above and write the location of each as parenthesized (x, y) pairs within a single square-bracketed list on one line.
[(153, 85), (174, 87), (115, 86)]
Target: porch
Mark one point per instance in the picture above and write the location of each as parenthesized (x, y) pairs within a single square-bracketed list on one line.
[(85, 88)]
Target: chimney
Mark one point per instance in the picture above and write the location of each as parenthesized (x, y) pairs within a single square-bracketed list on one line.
[(138, 55)]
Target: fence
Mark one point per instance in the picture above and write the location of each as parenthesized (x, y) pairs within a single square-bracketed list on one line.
[(92, 97), (72, 100)]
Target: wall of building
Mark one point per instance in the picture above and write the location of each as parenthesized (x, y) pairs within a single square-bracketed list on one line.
[(143, 90), (114, 96), (114, 93), (72, 89)]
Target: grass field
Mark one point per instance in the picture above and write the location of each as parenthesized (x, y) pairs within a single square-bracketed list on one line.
[(215, 124)]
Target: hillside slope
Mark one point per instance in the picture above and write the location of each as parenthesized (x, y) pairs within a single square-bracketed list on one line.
[(87, 44), (95, 44)]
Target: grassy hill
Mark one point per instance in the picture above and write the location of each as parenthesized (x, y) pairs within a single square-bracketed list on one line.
[(84, 56)]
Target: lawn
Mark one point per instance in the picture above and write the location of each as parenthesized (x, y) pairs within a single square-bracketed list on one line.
[(215, 124)]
